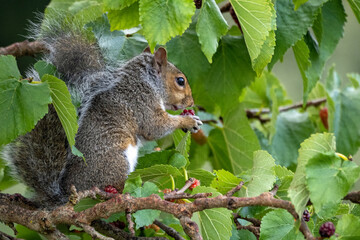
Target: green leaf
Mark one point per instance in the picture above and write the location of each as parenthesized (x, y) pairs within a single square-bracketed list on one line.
[(210, 26), (22, 104), (162, 157), (317, 143), (178, 160), (298, 3), (257, 19), (132, 184), (262, 174), (292, 25), (292, 128), (345, 112), (118, 4), (282, 172), (224, 181), (164, 19), (183, 146), (8, 68), (125, 18), (66, 111), (279, 225), (335, 175), (115, 44), (213, 223), (85, 203), (158, 174), (43, 68), (331, 31), (354, 78), (147, 216), (6, 178), (234, 144), (348, 227), (204, 176), (355, 6)]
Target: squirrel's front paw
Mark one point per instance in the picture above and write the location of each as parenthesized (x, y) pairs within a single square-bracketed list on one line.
[(193, 123)]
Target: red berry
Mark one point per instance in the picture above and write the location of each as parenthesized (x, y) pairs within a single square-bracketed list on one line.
[(166, 191), (187, 112), (327, 229), (111, 189), (324, 117), (195, 184)]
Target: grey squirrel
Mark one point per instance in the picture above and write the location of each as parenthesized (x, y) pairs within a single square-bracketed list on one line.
[(121, 106)]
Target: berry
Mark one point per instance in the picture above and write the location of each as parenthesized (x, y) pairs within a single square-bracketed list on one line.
[(111, 189), (306, 216), (195, 184), (198, 3), (324, 117), (327, 229), (187, 112), (166, 191)]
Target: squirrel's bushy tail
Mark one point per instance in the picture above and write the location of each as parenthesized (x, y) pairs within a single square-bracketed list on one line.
[(72, 49), (38, 158)]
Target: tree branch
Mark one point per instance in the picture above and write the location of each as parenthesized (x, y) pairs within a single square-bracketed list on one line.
[(24, 48)]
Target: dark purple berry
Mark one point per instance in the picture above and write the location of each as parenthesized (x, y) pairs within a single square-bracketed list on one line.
[(306, 216), (198, 3), (327, 229)]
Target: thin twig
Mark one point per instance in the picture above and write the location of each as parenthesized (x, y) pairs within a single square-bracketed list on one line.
[(254, 221), (169, 231), (186, 185), (186, 195), (130, 223), (235, 189)]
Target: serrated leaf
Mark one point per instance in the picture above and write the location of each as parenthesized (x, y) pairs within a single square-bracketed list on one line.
[(298, 192), (348, 227), (8, 68), (116, 45), (66, 111), (355, 6), (22, 104), (164, 19), (292, 128), (332, 30), (279, 225), (234, 144), (213, 223), (257, 22), (147, 216), (125, 18), (210, 26), (178, 160), (262, 174), (292, 25), (132, 184), (335, 175), (224, 181), (158, 174)]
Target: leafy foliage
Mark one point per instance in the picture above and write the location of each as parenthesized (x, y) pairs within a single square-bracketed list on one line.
[(248, 135)]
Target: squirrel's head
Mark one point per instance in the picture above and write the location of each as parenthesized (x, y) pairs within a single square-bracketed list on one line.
[(178, 92)]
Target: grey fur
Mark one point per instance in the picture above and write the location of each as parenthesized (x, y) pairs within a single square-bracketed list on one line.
[(119, 107)]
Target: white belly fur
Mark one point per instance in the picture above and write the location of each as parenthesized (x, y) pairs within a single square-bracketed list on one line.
[(131, 154)]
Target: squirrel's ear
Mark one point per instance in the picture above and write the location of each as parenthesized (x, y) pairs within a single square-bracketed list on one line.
[(160, 59), (147, 49)]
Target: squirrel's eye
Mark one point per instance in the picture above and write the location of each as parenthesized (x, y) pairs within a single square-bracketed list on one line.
[(180, 81)]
